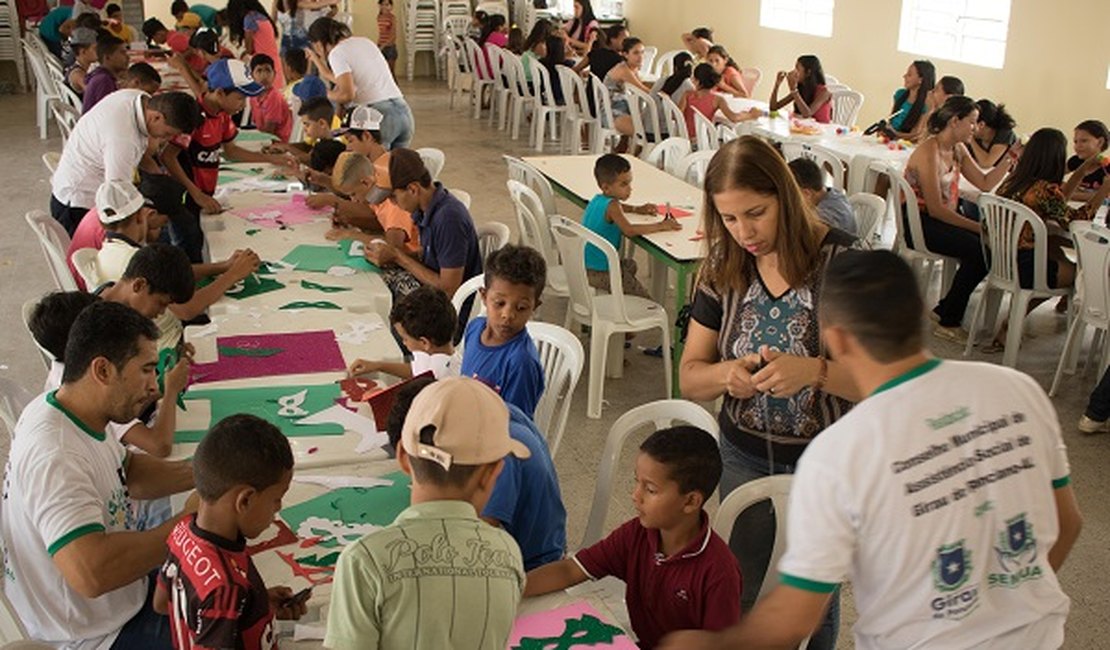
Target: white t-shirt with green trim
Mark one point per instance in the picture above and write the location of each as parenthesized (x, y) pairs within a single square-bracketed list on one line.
[(63, 481), (934, 497)]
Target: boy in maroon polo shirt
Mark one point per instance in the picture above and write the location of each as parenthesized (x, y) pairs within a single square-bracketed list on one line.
[(678, 573), (208, 585)]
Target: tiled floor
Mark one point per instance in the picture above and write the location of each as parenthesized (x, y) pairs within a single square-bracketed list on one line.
[(474, 164)]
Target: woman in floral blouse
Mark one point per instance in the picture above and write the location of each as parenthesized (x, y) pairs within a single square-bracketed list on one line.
[(753, 335), (1038, 183)]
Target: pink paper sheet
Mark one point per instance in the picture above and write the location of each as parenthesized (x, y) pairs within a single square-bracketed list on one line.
[(300, 353), (552, 624), (292, 212), (677, 213)]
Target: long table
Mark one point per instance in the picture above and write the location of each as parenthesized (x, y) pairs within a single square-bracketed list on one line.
[(680, 251)]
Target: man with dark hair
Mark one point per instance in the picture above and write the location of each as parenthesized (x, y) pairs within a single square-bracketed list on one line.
[(77, 569), (944, 496), (111, 52), (142, 76), (108, 143)]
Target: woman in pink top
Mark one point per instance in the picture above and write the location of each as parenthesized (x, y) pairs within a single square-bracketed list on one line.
[(807, 90), (251, 27), (495, 31), (732, 81), (703, 100)]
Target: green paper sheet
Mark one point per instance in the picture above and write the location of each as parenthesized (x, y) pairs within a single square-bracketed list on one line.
[(319, 259), (251, 286), (248, 352), (308, 284), (378, 506), (263, 402), (308, 304), (254, 135)]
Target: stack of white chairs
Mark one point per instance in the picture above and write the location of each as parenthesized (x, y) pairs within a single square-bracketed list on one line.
[(422, 31), (9, 38)]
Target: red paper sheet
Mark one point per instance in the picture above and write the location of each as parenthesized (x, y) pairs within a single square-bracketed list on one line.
[(677, 213)]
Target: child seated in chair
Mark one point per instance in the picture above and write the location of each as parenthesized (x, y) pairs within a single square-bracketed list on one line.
[(497, 347), (678, 573), (605, 216), (830, 203), (425, 323)]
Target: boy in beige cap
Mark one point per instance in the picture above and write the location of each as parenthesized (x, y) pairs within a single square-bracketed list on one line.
[(438, 577)]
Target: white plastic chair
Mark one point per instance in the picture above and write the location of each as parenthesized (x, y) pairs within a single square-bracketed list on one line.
[(492, 236), (483, 79), (523, 99), (27, 309), (535, 232), (524, 172), (869, 210), (13, 399), (606, 314), (546, 111), (656, 415), (65, 116), (503, 81), (692, 168), (84, 260), (460, 76), (457, 26), (434, 159), (829, 79), (825, 159), (664, 63), (578, 116), (1092, 246), (245, 118), (54, 242), (705, 133), (45, 90), (751, 77), (846, 106), (669, 153), (673, 119), (646, 124), (562, 358), (463, 293), (1003, 221), (727, 133), (605, 134), (777, 490), (297, 133), (650, 52), (51, 160)]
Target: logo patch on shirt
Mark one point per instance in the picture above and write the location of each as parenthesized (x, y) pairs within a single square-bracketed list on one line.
[(1017, 555), (951, 572)]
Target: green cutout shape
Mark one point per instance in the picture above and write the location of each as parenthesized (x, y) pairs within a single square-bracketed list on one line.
[(308, 284), (308, 257), (583, 632), (248, 352), (263, 402), (253, 285), (378, 506), (308, 304)]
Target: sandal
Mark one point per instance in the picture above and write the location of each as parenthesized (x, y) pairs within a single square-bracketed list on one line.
[(994, 347)]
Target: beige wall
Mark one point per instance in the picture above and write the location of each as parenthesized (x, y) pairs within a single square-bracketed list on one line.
[(1054, 75)]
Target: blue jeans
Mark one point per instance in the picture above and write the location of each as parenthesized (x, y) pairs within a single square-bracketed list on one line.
[(753, 536), (397, 122), (147, 630)]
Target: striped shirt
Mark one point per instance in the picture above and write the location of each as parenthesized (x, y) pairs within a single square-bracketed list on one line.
[(387, 33)]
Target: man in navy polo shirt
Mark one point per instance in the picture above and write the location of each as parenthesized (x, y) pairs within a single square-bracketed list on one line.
[(447, 236)]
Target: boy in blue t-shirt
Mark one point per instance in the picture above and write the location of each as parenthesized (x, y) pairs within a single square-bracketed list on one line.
[(605, 216), (497, 348), (526, 500)]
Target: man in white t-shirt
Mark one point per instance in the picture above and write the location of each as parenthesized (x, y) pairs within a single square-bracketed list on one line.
[(943, 497), (74, 569), (108, 143)]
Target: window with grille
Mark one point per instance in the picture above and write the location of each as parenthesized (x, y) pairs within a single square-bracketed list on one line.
[(813, 17), (969, 31)]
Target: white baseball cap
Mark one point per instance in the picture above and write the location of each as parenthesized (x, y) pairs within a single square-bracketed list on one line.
[(117, 200), (361, 118)]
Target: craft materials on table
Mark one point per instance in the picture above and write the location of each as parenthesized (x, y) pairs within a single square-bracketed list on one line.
[(269, 355), (675, 211), (281, 214), (309, 257), (282, 406), (577, 625), (249, 287), (310, 304)]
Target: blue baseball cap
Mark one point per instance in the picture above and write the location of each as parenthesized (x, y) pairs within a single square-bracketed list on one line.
[(232, 74)]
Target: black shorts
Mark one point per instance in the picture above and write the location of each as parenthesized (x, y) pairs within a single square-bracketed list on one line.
[(390, 52)]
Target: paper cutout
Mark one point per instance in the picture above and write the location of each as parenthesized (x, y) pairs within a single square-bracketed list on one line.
[(309, 304), (336, 482), (248, 352), (356, 249), (340, 514), (577, 625), (350, 421), (371, 441), (341, 271), (358, 388), (358, 331), (305, 568), (382, 401), (253, 231), (308, 284), (276, 536), (300, 353), (248, 287), (275, 268), (200, 331), (676, 212), (282, 214), (261, 402), (291, 405), (309, 257)]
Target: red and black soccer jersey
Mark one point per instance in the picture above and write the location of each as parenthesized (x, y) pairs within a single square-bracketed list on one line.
[(204, 146), (217, 598)]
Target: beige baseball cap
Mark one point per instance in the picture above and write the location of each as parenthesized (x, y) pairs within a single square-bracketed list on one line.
[(459, 421)]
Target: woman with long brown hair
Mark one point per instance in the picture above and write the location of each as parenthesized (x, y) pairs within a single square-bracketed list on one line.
[(753, 336)]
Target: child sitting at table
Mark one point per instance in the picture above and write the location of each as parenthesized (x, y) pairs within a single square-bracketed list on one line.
[(678, 573), (115, 25), (269, 111), (84, 57), (425, 322), (321, 163), (605, 216), (317, 116), (704, 100), (438, 576), (301, 83), (526, 500), (155, 32), (366, 183), (141, 76), (112, 55), (832, 206), (497, 347), (731, 80), (194, 159), (208, 584)]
